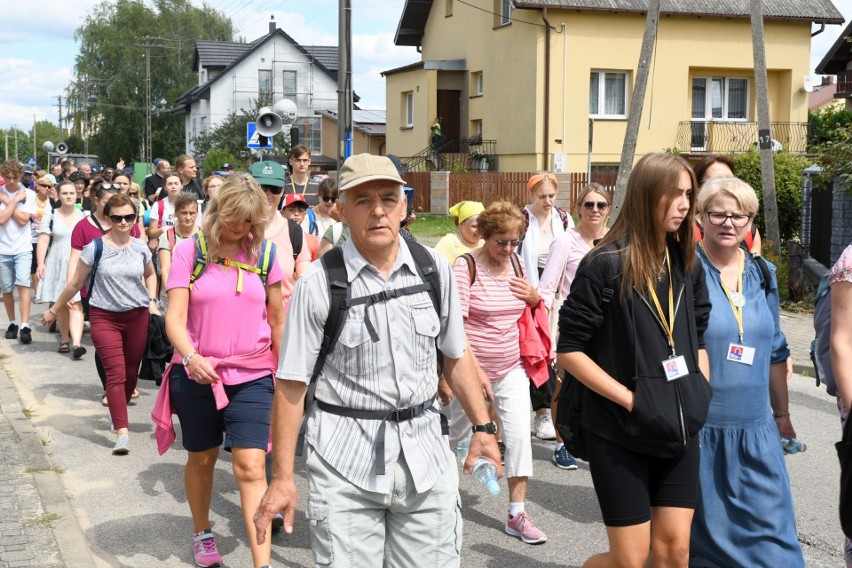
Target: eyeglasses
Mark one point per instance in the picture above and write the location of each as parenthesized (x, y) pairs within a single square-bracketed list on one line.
[(328, 198), (273, 189), (126, 218), (513, 243), (590, 205), (718, 218), (107, 185), (301, 160)]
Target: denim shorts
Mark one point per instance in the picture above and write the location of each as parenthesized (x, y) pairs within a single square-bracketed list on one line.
[(244, 423), (15, 270)]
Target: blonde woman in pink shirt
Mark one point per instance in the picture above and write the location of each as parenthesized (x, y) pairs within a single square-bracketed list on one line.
[(226, 326), (566, 252)]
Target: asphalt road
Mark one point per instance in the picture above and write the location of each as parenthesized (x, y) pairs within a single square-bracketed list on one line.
[(132, 509)]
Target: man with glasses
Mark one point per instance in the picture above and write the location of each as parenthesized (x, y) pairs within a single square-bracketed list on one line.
[(28, 179), (299, 180)]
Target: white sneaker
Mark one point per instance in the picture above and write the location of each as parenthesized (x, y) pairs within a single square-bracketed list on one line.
[(544, 427)]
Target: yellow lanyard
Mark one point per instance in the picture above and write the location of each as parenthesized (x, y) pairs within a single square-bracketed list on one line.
[(736, 307), (668, 325)]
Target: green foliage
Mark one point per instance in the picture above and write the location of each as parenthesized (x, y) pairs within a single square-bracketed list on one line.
[(835, 157), (110, 69), (788, 188), (24, 145), (44, 131), (215, 158), (827, 124)]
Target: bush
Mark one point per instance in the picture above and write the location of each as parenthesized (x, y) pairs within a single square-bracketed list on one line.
[(215, 158), (788, 188)]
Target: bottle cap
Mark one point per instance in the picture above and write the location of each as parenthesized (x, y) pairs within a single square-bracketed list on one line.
[(493, 487)]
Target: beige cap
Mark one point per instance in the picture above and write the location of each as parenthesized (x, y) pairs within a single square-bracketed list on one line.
[(362, 168)]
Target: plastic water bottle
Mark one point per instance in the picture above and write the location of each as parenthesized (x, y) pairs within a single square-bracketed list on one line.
[(485, 472), (792, 445)]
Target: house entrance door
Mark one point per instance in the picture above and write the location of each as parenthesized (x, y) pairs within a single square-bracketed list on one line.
[(449, 111)]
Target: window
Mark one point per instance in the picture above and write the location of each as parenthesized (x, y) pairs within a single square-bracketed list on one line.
[(203, 121), (505, 12), (310, 130), (608, 94), (264, 82), (476, 128), (290, 90), (720, 98), (408, 109), (477, 86)]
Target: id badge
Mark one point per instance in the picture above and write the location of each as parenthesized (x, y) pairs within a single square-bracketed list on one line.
[(675, 368), (740, 354)]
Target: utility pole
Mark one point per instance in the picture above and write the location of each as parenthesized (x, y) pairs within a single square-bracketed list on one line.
[(764, 133), (61, 134), (628, 151), (146, 157), (35, 146), (344, 91), (15, 126), (6, 145)]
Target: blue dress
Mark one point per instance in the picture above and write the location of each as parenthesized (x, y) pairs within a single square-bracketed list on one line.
[(745, 515)]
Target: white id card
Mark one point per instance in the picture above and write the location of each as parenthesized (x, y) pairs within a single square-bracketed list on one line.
[(675, 368), (740, 354)]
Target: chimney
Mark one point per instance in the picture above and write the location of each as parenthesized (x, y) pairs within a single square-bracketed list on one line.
[(271, 24)]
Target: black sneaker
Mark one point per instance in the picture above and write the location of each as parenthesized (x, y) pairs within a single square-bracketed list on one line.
[(26, 335), (12, 331)]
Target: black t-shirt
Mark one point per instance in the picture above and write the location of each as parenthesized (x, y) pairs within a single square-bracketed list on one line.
[(153, 183)]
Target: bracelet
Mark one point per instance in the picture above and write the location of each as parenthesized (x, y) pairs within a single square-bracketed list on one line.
[(152, 300), (54, 314), (781, 415)]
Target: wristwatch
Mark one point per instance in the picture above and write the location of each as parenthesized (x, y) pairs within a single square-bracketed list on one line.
[(187, 357), (489, 428)]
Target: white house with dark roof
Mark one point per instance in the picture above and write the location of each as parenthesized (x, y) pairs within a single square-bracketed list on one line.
[(232, 76)]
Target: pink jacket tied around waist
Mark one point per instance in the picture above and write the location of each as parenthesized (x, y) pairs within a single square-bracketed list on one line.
[(263, 359)]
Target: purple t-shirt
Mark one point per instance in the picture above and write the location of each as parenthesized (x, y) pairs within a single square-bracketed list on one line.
[(222, 322)]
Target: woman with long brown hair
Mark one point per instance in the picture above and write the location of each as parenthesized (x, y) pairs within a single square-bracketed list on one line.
[(632, 332)]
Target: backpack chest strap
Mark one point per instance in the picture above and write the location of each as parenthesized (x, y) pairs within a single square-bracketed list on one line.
[(382, 296)]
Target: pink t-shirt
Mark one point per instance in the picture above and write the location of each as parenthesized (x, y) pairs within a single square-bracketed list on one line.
[(491, 315), (280, 235), (220, 321)]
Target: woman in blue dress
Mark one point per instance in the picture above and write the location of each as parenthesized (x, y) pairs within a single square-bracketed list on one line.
[(745, 513)]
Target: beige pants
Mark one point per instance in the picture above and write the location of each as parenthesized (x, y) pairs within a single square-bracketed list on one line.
[(351, 527)]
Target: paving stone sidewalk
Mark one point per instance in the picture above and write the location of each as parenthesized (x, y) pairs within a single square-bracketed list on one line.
[(37, 526)]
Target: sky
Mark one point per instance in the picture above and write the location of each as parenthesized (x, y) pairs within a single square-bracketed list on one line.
[(37, 47)]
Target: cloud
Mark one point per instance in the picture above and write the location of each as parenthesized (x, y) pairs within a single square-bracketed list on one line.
[(24, 93), (53, 19)]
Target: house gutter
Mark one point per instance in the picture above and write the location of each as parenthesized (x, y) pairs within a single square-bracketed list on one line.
[(819, 31), (546, 88)]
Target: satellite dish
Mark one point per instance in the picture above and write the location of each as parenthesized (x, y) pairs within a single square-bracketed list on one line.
[(47, 146), (808, 84)]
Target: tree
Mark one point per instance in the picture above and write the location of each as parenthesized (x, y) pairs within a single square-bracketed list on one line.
[(110, 69), (45, 131), (628, 151), (23, 145)]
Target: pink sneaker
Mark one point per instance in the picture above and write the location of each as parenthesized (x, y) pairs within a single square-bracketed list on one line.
[(522, 526), (204, 549)]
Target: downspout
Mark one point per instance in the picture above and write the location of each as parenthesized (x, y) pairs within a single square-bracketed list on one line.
[(546, 88), (819, 31)]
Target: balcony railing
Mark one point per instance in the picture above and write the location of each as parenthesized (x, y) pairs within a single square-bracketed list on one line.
[(844, 85), (732, 137)]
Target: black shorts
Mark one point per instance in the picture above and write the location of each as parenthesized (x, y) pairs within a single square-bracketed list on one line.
[(628, 484), (244, 423)]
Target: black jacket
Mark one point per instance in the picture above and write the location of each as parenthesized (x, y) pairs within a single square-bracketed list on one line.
[(625, 338)]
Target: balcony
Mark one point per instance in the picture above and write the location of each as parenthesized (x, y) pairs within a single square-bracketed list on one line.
[(844, 85), (700, 137)]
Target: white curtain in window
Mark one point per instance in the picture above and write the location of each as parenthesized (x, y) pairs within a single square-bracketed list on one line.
[(593, 94), (716, 98), (614, 103)]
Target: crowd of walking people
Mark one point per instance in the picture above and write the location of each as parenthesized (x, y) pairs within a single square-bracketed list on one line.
[(284, 298)]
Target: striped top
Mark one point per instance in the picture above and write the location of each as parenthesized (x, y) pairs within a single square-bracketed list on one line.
[(398, 371), (491, 315)]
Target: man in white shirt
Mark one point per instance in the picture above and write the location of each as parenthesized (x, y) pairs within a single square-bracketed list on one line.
[(17, 206)]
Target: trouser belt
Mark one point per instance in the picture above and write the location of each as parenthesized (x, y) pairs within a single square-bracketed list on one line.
[(385, 416)]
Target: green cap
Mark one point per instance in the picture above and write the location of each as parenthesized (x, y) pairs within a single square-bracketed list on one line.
[(268, 173)]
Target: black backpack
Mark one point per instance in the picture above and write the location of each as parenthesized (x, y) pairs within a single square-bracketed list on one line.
[(340, 301)]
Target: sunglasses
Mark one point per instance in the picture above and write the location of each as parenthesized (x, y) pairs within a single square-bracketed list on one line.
[(602, 205), (107, 185), (126, 218), (273, 189), (328, 198), (513, 243), (45, 185)]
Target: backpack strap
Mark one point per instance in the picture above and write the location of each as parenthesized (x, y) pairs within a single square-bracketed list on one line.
[(171, 236), (297, 237), (516, 265), (471, 266), (265, 257), (98, 244), (765, 275), (428, 272), (564, 216), (200, 263), (312, 222), (161, 211), (339, 292)]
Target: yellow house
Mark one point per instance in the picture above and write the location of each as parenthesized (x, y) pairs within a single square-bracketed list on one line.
[(368, 132), (547, 83)]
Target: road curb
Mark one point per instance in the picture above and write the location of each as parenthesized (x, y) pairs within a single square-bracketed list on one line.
[(69, 536)]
